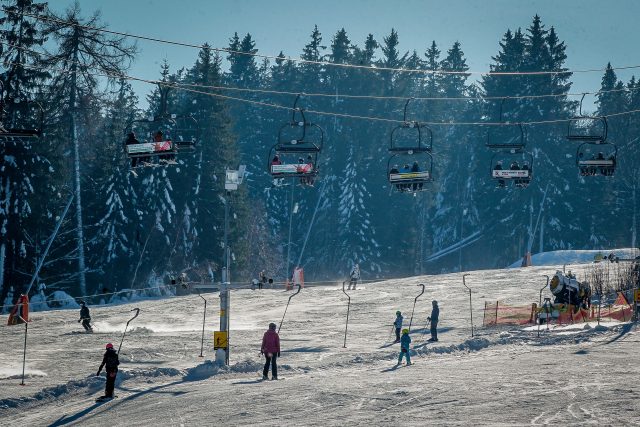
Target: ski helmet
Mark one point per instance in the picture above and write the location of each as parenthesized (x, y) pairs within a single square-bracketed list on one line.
[(405, 331), (109, 346), (398, 313), (272, 326)]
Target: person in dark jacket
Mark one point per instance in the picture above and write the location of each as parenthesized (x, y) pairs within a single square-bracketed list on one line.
[(110, 362), (435, 314), (85, 317), (271, 350), (131, 139)]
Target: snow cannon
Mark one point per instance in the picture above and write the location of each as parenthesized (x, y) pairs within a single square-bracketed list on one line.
[(566, 289)]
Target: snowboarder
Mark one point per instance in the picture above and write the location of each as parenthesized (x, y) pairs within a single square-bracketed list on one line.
[(271, 350), (398, 325), (85, 317), (110, 362), (435, 314), (354, 276), (405, 342), (263, 280)]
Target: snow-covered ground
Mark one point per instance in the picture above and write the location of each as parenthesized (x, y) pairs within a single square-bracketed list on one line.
[(506, 376)]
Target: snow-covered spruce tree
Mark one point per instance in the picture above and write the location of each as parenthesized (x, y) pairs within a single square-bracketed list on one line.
[(79, 50), (25, 164), (113, 239)]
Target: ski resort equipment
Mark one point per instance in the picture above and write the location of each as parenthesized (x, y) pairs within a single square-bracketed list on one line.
[(601, 163), (20, 314), (410, 164), (161, 136), (464, 283), (348, 307), (566, 289), (285, 309), (295, 154), (586, 128), (137, 310), (28, 112), (507, 136), (204, 319), (46, 250), (540, 301), (512, 165), (414, 305)]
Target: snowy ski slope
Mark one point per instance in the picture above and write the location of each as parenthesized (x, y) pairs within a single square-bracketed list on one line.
[(507, 376)]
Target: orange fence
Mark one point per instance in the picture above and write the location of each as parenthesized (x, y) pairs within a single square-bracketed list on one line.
[(499, 313), (503, 314)]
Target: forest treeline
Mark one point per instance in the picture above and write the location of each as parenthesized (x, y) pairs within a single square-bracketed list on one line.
[(128, 230)]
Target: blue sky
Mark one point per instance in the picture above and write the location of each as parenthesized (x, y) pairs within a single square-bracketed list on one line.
[(595, 31)]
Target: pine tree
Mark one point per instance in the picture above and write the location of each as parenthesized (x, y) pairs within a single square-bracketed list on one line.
[(81, 49), (25, 164)]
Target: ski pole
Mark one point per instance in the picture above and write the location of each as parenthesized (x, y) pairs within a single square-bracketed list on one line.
[(137, 310), (424, 330), (348, 307), (285, 309), (414, 305)]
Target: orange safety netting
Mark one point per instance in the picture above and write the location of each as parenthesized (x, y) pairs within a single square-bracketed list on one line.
[(499, 313)]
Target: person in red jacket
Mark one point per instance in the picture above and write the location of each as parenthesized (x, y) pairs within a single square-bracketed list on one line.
[(271, 350)]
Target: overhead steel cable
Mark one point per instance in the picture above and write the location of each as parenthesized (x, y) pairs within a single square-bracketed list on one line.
[(319, 112), (322, 63), (376, 97)]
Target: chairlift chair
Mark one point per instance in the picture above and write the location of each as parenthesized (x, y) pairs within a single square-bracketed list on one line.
[(506, 135), (406, 180), (520, 173), (587, 128), (419, 136), (602, 163)]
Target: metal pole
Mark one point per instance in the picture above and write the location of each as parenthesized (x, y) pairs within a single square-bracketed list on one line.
[(348, 307), (540, 303), (137, 310), (285, 309), (224, 292), (290, 226), (204, 318), (414, 305), (464, 282), (51, 239), (24, 352)]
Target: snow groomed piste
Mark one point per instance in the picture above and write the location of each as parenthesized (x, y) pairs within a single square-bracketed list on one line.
[(571, 373)]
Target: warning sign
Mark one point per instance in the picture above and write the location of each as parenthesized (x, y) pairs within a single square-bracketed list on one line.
[(636, 296), (220, 340)]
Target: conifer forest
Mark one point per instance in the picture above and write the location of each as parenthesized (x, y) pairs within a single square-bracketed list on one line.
[(63, 75)]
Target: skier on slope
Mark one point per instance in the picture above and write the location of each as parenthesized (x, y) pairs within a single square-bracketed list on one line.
[(405, 342), (435, 314), (111, 362), (85, 317), (398, 325), (271, 350), (354, 276)]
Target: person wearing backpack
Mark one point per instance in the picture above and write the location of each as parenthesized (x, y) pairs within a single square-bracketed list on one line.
[(110, 362)]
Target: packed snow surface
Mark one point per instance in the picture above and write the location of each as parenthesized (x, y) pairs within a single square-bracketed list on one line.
[(579, 374)]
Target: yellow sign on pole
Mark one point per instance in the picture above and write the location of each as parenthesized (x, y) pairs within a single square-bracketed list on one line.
[(220, 340)]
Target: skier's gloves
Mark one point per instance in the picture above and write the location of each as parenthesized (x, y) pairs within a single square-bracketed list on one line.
[(98, 374), (429, 319), (278, 354), (79, 320)]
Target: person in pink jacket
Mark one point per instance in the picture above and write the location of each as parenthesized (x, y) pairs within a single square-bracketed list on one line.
[(271, 350)]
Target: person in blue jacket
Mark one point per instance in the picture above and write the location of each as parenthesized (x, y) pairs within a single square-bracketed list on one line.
[(398, 325), (435, 314), (405, 341)]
